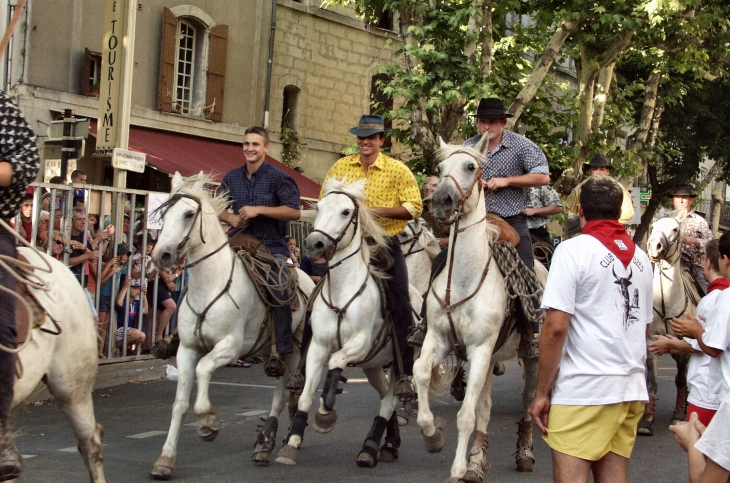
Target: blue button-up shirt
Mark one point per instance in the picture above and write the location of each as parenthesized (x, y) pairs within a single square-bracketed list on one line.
[(268, 186), (514, 156)]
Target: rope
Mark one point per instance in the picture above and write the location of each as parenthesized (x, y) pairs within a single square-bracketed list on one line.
[(258, 266), (519, 280)]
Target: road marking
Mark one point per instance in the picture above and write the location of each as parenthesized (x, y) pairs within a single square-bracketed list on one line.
[(148, 434), (255, 412), (26, 456), (70, 449), (242, 385)]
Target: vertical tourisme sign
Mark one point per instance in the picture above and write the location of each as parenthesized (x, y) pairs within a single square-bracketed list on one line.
[(111, 78)]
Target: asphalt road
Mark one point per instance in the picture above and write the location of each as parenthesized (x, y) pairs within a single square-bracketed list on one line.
[(136, 418)]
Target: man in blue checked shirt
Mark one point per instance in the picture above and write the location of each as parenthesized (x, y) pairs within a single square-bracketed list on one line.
[(511, 165), (263, 199)]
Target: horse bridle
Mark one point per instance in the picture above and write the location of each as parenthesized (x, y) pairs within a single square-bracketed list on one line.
[(445, 303), (354, 220), (412, 241), (676, 243)]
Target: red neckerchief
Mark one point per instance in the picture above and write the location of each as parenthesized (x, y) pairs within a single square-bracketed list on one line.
[(720, 283), (613, 236)]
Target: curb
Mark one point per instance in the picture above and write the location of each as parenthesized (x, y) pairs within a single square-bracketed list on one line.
[(115, 373)]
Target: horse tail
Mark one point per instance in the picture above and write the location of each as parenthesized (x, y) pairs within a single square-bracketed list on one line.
[(442, 375)]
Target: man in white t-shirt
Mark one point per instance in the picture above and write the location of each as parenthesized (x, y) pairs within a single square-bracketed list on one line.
[(701, 399), (599, 302), (714, 338)]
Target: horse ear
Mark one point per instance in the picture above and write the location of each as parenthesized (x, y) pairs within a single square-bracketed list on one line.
[(200, 183), (681, 215), (177, 181), (442, 144), (483, 144)]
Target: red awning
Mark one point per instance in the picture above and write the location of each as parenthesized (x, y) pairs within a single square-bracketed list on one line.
[(189, 155)]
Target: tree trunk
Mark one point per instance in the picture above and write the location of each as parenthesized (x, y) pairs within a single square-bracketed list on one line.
[(716, 207), (474, 32), (603, 87), (487, 42), (542, 67), (654, 203)]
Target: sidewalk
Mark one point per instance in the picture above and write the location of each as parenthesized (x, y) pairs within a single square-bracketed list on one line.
[(116, 372)]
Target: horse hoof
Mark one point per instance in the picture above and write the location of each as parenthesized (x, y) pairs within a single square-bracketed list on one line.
[(388, 454), (366, 460), (162, 469), (288, 455), (678, 416), (324, 422), (208, 433), (436, 442), (525, 465), (645, 428), (261, 458), (471, 477)]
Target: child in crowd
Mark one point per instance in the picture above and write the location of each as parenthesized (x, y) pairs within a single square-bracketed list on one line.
[(700, 400), (114, 269), (136, 297)]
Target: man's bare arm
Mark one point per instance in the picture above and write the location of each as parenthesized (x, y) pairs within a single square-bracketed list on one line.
[(398, 213), (6, 174)]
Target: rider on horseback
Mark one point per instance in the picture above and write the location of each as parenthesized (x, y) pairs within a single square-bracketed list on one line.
[(392, 194), (695, 235), (263, 199), (19, 164)]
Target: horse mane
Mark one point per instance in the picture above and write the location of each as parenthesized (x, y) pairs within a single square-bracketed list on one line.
[(428, 239), (201, 186), (368, 224), (447, 150)]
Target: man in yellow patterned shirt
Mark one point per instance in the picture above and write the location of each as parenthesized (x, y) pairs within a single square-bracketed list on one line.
[(393, 196)]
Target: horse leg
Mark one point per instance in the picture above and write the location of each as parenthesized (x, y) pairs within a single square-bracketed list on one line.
[(78, 406), (680, 381), (479, 368), (368, 457), (389, 450), (646, 425), (266, 439), (223, 353), (478, 462), (524, 457), (432, 353), (289, 453), (186, 360), (326, 416)]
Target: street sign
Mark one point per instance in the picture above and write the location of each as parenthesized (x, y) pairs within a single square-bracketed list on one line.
[(52, 149), (129, 160), (79, 130), (645, 196)]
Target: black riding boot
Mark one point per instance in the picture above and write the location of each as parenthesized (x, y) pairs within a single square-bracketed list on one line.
[(11, 463)]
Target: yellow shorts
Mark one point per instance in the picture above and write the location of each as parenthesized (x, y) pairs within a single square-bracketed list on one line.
[(590, 432)]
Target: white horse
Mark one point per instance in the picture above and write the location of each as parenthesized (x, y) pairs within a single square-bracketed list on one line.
[(466, 307), (670, 300), (220, 318), (347, 322), (419, 247), (62, 353)]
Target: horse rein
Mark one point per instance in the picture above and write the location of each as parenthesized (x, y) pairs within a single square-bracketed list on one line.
[(413, 241), (446, 304), (354, 220)]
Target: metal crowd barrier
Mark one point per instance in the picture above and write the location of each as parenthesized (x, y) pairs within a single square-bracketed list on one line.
[(109, 205)]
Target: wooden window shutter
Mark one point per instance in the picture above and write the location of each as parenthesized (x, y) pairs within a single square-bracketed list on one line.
[(168, 45), (216, 73), (86, 75)]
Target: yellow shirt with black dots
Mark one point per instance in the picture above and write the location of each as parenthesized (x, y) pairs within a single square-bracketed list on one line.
[(390, 184)]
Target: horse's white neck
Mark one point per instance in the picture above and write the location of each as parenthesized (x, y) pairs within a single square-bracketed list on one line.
[(669, 295), (470, 241), (346, 262)]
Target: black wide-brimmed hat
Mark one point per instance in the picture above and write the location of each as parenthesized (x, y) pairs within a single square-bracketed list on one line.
[(598, 161), (369, 124), (492, 108), (122, 249), (683, 190)]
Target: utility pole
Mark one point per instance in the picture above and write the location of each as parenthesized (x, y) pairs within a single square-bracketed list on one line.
[(115, 90), (66, 147)]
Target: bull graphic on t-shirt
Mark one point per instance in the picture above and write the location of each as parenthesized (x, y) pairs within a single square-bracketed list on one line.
[(623, 285)]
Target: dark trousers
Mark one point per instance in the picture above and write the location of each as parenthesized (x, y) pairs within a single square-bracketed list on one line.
[(7, 333), (542, 234), (282, 315), (399, 302)]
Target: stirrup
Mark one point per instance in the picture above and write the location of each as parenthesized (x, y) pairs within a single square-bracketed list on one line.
[(295, 384), (405, 390), (166, 347), (274, 367), (417, 336)]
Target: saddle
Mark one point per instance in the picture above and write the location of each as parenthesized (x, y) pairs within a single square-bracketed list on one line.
[(25, 321), (242, 241), (506, 232)]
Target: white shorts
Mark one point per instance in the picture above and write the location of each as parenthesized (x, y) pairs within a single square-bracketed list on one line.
[(91, 303)]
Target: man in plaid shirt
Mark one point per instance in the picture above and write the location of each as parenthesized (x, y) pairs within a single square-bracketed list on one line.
[(19, 163)]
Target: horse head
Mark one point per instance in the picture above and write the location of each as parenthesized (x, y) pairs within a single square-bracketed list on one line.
[(190, 220), (459, 171), (664, 237), (342, 219)]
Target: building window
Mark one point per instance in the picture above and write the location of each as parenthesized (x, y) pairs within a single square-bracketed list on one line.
[(185, 67), (92, 74), (289, 109), (192, 64)]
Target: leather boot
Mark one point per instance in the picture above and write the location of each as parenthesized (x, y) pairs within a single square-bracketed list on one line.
[(11, 463)]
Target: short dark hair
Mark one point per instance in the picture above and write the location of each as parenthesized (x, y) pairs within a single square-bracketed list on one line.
[(77, 172), (57, 180), (724, 245), (263, 132), (601, 198), (27, 197), (712, 253)]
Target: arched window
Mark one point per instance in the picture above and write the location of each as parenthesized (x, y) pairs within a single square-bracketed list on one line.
[(185, 69), (289, 109)]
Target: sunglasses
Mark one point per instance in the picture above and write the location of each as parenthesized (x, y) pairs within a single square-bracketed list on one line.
[(59, 242)]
